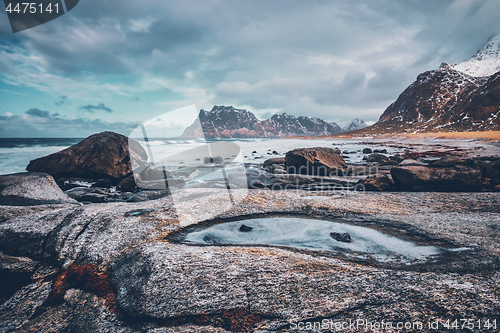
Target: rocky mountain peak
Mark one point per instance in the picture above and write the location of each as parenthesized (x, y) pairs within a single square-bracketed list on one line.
[(485, 62), (355, 125), (229, 122)]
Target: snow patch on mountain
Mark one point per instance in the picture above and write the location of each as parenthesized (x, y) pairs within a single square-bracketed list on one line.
[(355, 125), (485, 62)]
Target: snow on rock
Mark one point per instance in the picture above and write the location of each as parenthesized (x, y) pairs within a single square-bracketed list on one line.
[(485, 62), (355, 125)]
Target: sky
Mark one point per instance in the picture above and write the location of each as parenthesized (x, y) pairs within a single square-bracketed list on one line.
[(114, 64)]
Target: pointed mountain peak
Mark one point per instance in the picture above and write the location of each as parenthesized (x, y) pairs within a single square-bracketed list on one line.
[(485, 62), (355, 124)]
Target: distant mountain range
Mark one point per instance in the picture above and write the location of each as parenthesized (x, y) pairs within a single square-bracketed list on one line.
[(229, 122)]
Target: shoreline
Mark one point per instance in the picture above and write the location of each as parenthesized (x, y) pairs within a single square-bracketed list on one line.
[(485, 136)]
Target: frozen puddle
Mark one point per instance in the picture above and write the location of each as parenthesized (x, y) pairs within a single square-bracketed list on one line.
[(365, 243)]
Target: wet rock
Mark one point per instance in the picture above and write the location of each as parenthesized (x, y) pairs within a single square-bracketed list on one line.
[(314, 161), (273, 161), (446, 179), (491, 170), (106, 183), (245, 228), (341, 237), (213, 160), (275, 152), (31, 188), (413, 162), (367, 151), (148, 195), (127, 185), (380, 151), (152, 174), (448, 161), (337, 151), (377, 183), (102, 155), (86, 194), (375, 157)]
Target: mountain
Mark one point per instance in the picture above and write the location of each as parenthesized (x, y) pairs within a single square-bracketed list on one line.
[(355, 125), (485, 62), (463, 97), (229, 122)]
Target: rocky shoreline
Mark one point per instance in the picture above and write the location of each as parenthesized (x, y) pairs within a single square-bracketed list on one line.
[(122, 266)]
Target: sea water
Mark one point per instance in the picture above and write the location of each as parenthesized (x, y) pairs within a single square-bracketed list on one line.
[(16, 153)]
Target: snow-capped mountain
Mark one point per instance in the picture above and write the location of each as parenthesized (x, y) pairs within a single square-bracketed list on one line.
[(464, 97), (229, 122), (444, 100), (485, 62), (355, 125)]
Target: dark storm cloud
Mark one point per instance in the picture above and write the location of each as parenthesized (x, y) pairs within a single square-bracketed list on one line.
[(37, 113), (316, 58), (92, 108)]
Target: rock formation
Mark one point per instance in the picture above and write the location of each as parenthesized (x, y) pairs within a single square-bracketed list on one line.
[(314, 161), (103, 155), (31, 188)]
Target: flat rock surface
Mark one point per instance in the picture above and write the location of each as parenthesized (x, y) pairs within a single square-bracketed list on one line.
[(162, 285), (31, 188)]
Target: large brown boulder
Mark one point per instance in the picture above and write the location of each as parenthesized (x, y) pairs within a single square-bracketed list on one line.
[(376, 183), (102, 155), (459, 178), (317, 161)]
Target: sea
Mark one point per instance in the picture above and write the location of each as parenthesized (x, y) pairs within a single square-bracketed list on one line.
[(16, 153)]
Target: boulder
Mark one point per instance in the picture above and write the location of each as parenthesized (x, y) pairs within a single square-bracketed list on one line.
[(430, 179), (367, 151), (271, 161), (380, 151), (314, 161), (341, 237), (375, 157), (30, 189), (102, 155), (491, 170), (337, 151), (448, 161), (376, 183), (128, 184), (244, 228)]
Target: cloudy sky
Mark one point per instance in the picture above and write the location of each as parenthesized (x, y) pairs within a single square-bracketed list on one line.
[(110, 65)]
